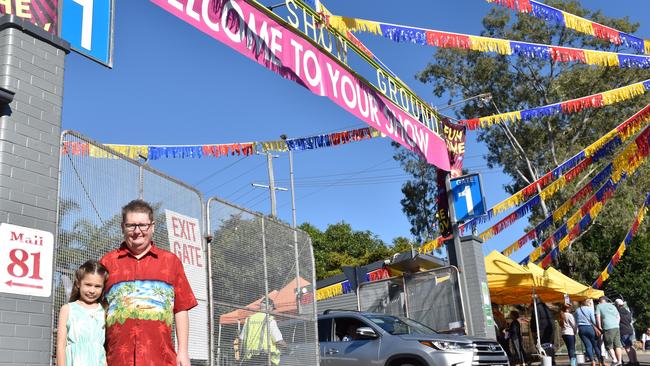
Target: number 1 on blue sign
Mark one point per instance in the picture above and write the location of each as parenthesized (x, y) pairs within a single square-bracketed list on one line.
[(86, 23), (467, 193)]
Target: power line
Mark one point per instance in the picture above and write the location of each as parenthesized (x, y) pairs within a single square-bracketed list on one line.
[(218, 171), (233, 178), (318, 191)]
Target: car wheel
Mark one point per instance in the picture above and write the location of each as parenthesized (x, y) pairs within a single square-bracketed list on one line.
[(406, 363)]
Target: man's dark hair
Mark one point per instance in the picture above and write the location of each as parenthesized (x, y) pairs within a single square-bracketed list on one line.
[(137, 206)]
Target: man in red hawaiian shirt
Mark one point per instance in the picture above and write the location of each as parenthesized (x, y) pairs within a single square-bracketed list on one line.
[(147, 291)]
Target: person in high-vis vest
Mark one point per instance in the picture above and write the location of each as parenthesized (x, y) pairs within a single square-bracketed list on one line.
[(261, 338)]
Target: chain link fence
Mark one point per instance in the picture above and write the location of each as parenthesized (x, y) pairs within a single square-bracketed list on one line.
[(262, 284), (95, 182), (431, 298)]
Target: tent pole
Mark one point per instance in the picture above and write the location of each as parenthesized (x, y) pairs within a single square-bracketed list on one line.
[(539, 342)]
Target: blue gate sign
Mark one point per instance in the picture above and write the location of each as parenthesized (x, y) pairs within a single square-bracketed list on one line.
[(469, 201), (88, 26)]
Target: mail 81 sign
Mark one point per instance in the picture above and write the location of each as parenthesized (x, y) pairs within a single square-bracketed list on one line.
[(25, 260)]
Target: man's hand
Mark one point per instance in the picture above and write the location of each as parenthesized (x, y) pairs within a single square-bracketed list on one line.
[(182, 333), (182, 359)]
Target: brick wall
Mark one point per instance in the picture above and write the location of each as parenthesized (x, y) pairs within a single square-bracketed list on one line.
[(31, 66), (474, 261)]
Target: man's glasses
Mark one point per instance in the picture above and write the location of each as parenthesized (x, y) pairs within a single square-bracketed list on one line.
[(142, 227)]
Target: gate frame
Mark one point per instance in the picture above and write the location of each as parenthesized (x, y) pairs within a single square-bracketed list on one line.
[(142, 167), (295, 236)]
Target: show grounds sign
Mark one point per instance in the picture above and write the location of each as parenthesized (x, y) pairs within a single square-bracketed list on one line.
[(281, 48)]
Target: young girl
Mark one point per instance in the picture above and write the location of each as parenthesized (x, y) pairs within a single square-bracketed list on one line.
[(80, 336)]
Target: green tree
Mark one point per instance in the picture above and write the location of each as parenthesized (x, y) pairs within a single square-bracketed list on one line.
[(526, 150), (339, 245)]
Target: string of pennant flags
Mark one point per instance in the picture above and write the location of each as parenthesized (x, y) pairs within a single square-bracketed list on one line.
[(557, 178), (623, 166), (345, 287), (603, 99), (156, 152), (604, 275), (580, 24), (558, 214), (552, 181), (435, 38), (603, 148)]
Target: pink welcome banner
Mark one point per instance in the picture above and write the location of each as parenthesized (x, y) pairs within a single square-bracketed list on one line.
[(259, 37)]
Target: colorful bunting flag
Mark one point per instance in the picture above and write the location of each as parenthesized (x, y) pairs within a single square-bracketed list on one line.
[(604, 275), (576, 23), (428, 37), (155, 152), (624, 165), (571, 106)]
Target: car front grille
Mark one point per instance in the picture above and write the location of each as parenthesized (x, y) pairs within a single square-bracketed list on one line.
[(489, 353)]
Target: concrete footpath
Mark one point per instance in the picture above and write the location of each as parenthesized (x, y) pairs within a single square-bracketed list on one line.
[(644, 359)]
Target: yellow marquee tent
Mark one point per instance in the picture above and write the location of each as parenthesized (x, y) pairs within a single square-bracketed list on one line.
[(512, 283)]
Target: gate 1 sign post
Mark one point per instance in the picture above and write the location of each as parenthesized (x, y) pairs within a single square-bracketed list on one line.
[(25, 260), (466, 201)]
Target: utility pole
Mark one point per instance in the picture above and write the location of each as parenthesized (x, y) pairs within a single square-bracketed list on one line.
[(294, 225), (271, 186)]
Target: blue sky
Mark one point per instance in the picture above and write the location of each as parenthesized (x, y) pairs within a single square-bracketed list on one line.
[(173, 85)]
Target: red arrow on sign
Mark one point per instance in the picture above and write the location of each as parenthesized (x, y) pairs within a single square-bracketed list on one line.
[(11, 283)]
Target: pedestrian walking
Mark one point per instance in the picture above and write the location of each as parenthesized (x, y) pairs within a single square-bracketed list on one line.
[(608, 318), (514, 332), (627, 332), (569, 330), (587, 329)]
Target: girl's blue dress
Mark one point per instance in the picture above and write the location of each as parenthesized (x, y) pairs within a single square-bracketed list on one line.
[(85, 346)]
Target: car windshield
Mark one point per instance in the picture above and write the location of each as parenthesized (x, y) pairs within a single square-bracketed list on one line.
[(398, 325)]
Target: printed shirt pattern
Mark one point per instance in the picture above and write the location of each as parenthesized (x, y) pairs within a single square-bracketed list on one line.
[(143, 296)]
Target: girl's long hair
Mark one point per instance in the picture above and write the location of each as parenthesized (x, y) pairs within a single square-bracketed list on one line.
[(90, 267)]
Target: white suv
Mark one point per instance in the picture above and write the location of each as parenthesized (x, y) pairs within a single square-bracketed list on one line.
[(350, 338)]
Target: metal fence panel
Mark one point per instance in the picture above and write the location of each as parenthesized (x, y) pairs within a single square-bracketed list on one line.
[(95, 182), (384, 296), (255, 259), (434, 298)]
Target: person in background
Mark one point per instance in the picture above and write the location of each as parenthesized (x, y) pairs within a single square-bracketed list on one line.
[(501, 328), (514, 332), (261, 338), (586, 322), (645, 340), (608, 319), (627, 332), (569, 330)]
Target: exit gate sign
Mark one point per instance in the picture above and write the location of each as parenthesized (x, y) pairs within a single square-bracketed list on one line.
[(25, 260)]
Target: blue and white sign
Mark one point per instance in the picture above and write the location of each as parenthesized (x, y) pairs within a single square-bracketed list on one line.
[(88, 26), (469, 201)]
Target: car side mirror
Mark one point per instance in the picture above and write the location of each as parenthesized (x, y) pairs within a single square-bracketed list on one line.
[(366, 332)]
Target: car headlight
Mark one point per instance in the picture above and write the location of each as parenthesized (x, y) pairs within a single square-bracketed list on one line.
[(445, 346)]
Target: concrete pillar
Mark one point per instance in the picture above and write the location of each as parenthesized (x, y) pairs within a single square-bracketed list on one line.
[(474, 279), (31, 95)]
